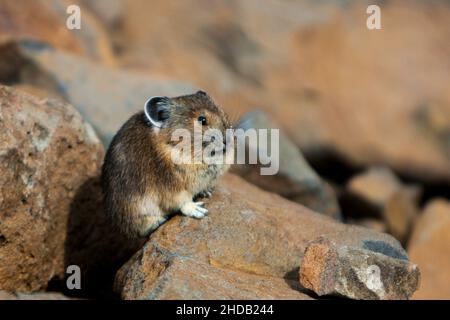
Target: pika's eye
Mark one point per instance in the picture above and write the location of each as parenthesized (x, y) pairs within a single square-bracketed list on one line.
[(202, 120)]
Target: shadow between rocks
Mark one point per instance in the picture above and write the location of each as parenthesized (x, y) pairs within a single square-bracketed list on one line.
[(291, 279), (93, 244)]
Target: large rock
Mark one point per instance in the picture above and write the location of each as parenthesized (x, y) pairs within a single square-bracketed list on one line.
[(430, 248), (375, 186), (47, 152), (16, 22), (164, 275), (104, 96), (340, 89), (45, 20), (92, 34), (295, 179), (356, 273), (250, 238)]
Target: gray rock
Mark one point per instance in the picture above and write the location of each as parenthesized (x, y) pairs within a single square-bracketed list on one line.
[(377, 272), (295, 180)]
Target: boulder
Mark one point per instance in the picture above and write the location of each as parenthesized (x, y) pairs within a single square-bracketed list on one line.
[(21, 21), (429, 246), (375, 186), (45, 21), (160, 274), (92, 34), (295, 179), (249, 236), (356, 273), (104, 96), (401, 213), (47, 153), (51, 213)]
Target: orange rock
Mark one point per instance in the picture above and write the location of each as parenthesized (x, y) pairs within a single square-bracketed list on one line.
[(169, 277), (376, 186), (401, 212), (47, 152), (430, 248), (36, 20), (51, 213), (356, 273), (379, 192), (45, 20)]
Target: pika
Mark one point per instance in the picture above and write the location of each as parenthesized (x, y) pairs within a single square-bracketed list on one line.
[(142, 185)]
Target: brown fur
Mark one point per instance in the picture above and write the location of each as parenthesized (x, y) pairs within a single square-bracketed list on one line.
[(142, 185)]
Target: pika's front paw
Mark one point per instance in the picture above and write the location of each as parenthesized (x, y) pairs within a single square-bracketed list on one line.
[(206, 193), (194, 209)]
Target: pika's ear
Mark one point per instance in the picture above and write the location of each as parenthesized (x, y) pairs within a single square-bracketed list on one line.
[(201, 93), (157, 110)]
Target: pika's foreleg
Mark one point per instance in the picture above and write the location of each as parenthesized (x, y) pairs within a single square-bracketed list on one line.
[(150, 223), (149, 215)]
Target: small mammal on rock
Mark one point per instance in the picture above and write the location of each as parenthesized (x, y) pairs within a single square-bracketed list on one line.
[(142, 185)]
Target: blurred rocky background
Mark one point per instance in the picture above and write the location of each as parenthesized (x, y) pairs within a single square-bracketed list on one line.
[(364, 172)]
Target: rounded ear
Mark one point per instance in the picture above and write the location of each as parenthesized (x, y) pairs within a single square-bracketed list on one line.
[(201, 92), (156, 110)]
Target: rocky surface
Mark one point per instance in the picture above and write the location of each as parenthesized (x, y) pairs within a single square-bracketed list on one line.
[(295, 179), (356, 273), (248, 231), (371, 223), (51, 213), (47, 152), (430, 248), (161, 274)]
